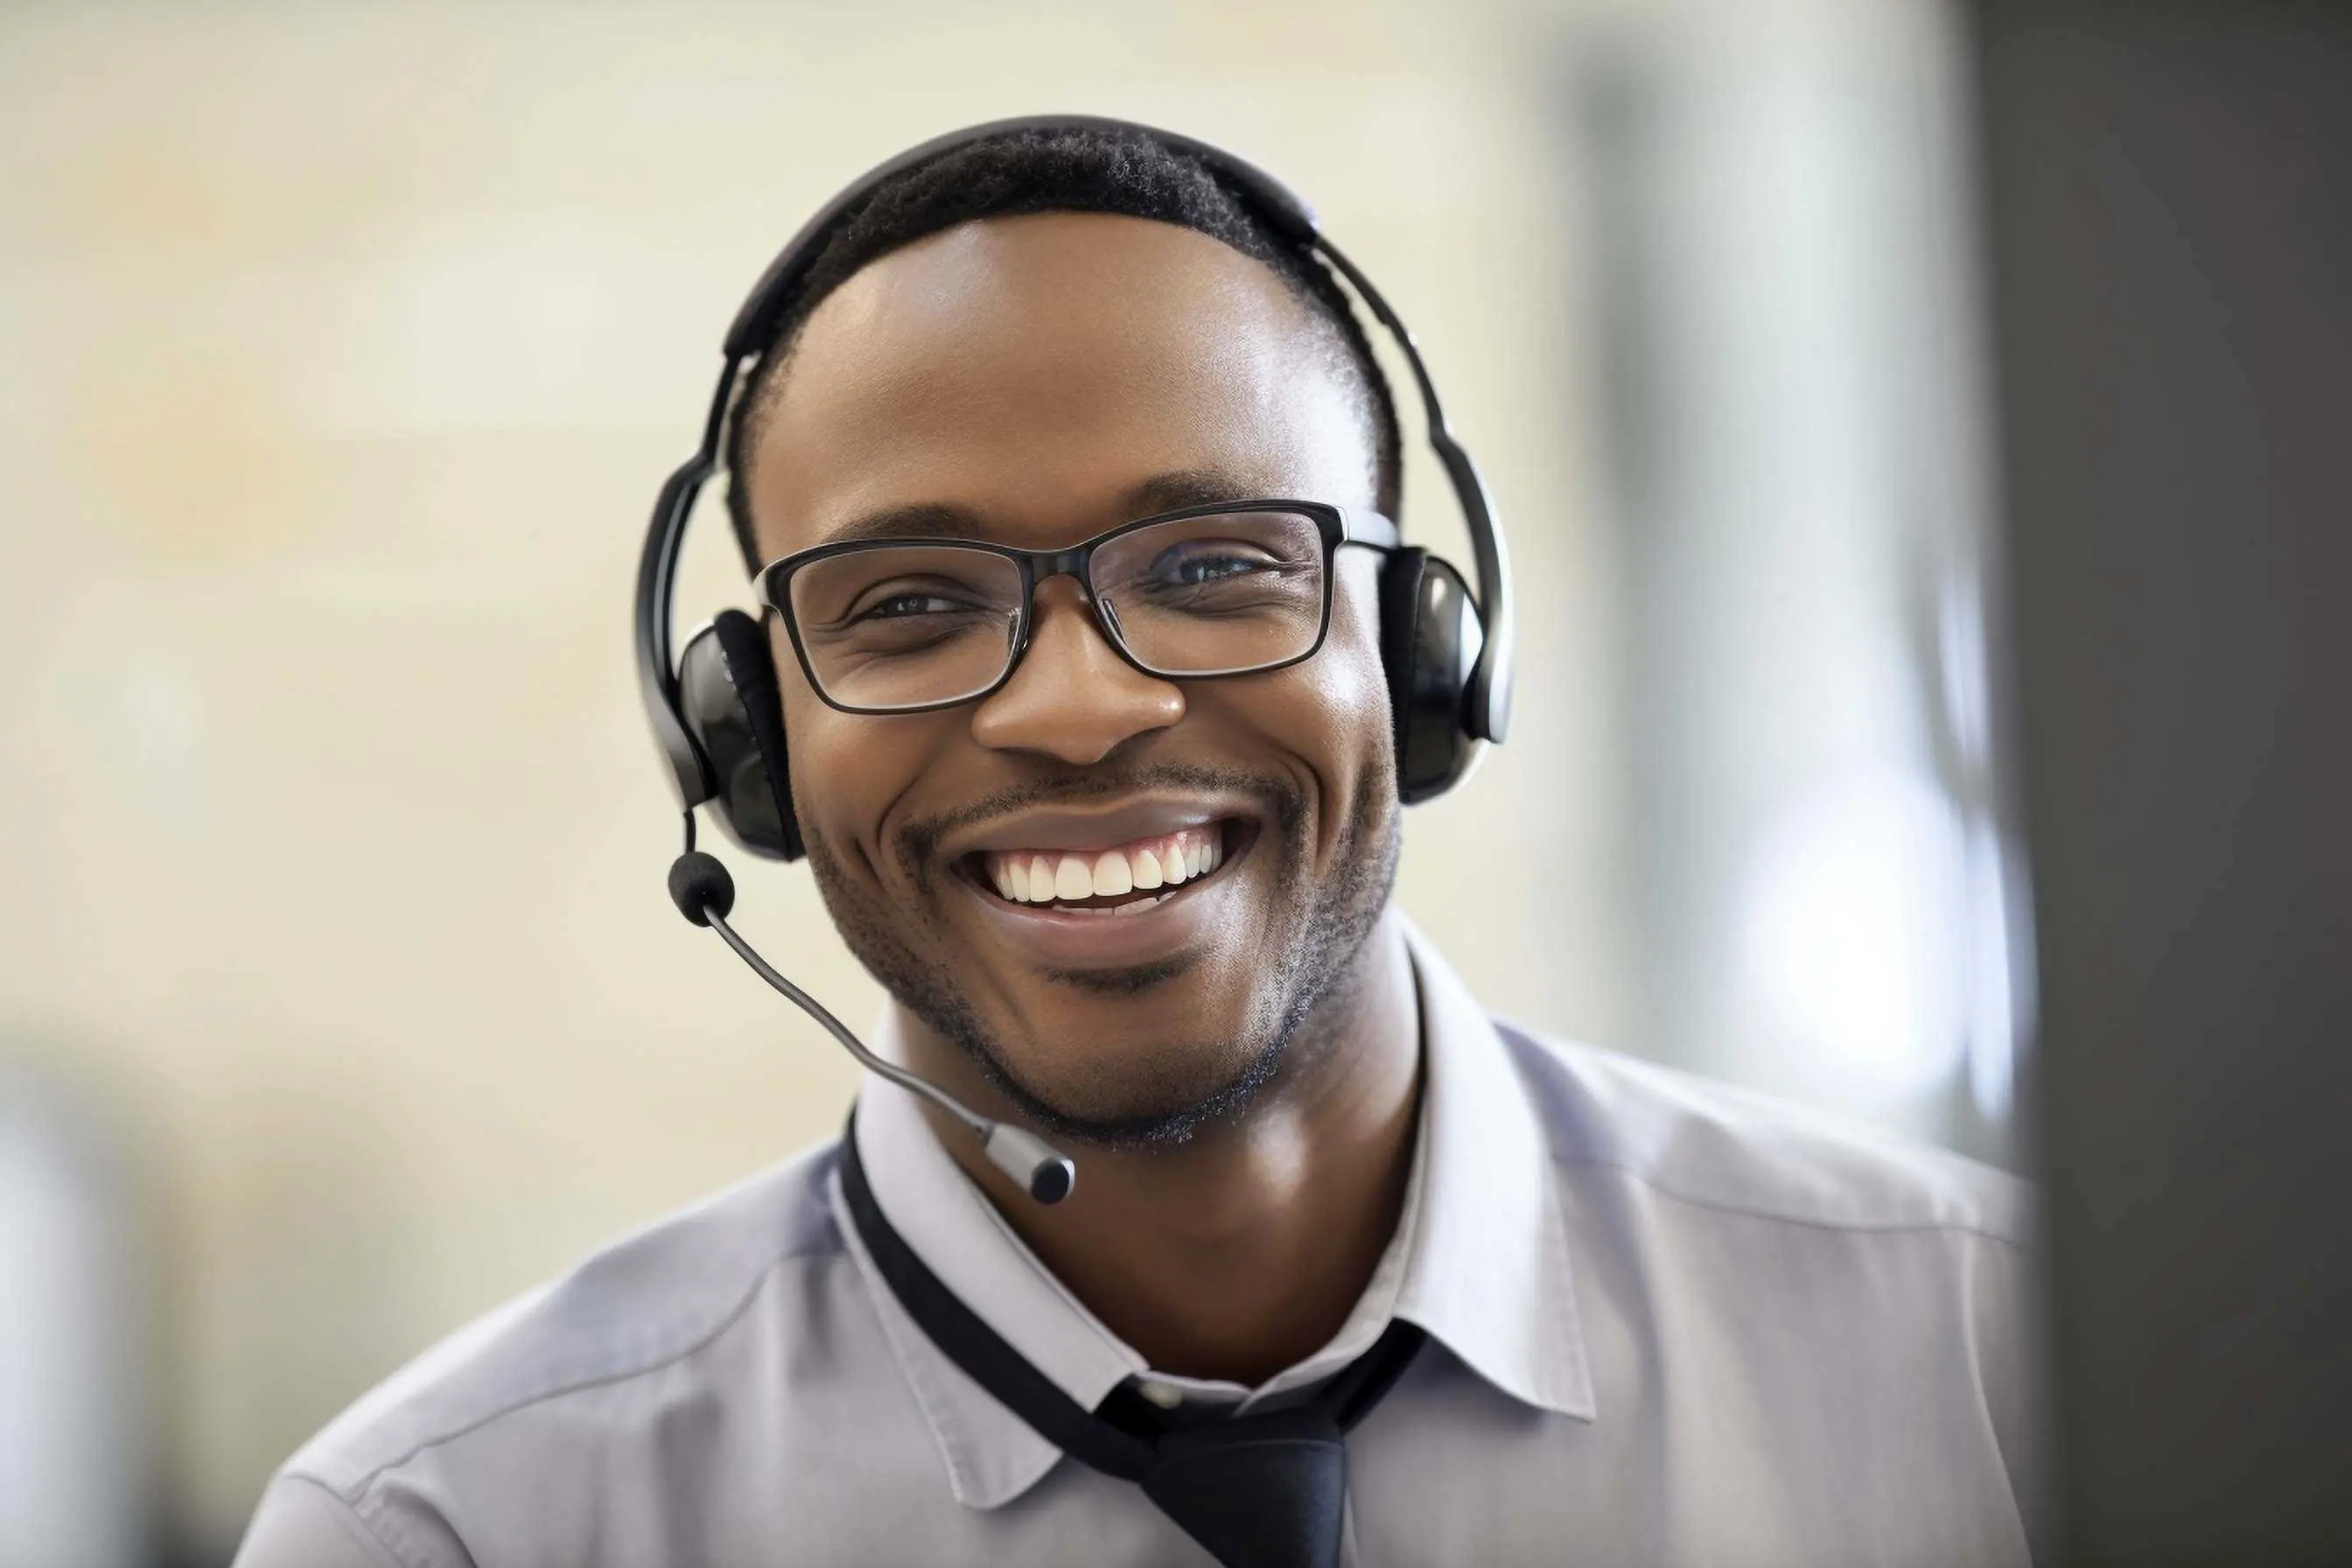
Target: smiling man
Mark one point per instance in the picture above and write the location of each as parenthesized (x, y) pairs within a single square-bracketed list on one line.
[(1066, 473)]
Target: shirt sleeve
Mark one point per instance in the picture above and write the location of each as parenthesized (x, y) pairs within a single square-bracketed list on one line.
[(301, 1524)]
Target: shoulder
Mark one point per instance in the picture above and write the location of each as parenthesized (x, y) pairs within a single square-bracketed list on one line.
[(1829, 1280), (1697, 1143), (635, 1308)]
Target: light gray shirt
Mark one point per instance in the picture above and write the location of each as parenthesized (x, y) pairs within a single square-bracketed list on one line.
[(1668, 1323)]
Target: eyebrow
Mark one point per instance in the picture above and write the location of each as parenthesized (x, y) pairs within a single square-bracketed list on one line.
[(1171, 492), (1190, 486), (918, 520)]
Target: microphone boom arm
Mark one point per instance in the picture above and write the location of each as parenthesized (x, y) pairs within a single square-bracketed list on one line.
[(1043, 1172), (979, 1125)]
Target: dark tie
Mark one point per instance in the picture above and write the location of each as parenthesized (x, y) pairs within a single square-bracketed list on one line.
[(1259, 1491)]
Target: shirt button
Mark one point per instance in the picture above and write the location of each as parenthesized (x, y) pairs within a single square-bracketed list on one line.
[(1165, 1395)]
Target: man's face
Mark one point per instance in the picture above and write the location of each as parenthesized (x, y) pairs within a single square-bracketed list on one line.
[(1032, 381)]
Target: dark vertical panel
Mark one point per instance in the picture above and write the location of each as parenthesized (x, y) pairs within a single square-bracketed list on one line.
[(2170, 192)]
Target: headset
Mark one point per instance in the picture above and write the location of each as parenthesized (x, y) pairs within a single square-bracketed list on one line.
[(717, 712)]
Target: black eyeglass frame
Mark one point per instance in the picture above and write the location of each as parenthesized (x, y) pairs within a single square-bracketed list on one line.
[(1336, 525)]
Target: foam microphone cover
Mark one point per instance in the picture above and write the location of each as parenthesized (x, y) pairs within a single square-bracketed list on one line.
[(699, 887)]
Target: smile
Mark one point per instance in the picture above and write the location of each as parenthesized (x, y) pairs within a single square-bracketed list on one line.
[(1091, 889), (1120, 879)]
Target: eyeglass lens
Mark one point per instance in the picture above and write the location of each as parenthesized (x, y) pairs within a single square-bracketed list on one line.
[(903, 626)]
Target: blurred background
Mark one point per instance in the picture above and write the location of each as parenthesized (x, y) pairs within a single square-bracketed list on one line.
[(344, 348)]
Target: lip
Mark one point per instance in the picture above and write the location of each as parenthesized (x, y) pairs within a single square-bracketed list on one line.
[(1066, 828), (1066, 940)]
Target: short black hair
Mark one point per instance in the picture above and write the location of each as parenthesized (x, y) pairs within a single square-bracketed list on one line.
[(1125, 172)]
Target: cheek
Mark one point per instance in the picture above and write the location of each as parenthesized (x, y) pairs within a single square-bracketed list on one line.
[(1353, 682), (848, 769), (1334, 713)]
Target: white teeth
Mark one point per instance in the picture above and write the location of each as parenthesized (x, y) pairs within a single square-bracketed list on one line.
[(1110, 875), (1050, 877)]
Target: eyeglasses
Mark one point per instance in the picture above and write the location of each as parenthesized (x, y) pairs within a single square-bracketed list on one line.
[(900, 626)]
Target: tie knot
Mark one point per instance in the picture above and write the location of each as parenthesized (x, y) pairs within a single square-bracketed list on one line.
[(1259, 1491)]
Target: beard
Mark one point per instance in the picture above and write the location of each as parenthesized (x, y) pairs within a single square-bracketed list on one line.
[(1318, 963)]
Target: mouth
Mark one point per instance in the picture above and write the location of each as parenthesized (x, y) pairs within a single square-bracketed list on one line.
[(1111, 880)]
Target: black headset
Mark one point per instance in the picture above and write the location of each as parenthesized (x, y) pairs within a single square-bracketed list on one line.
[(717, 711)]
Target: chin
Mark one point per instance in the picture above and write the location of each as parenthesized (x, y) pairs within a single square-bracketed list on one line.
[(1150, 1095)]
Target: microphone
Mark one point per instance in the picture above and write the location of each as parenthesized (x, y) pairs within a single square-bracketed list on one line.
[(704, 893)]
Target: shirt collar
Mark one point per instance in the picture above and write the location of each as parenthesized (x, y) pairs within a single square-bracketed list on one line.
[(1489, 1272), (1479, 1259)]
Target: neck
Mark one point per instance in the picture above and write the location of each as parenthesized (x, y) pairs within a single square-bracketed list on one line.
[(1242, 1251)]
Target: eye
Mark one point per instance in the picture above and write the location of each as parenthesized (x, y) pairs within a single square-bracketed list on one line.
[(1202, 562), (1193, 570), (910, 597), (899, 606)]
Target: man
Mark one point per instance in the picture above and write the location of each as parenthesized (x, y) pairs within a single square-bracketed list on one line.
[(1556, 1306)]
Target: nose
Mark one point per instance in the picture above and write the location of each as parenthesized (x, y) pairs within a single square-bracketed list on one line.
[(1072, 697)]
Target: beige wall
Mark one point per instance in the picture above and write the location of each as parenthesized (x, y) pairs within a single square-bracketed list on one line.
[(344, 350)]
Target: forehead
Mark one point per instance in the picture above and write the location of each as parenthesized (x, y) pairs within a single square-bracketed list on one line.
[(1027, 377)]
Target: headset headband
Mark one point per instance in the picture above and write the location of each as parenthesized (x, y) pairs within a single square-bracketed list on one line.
[(1487, 702)]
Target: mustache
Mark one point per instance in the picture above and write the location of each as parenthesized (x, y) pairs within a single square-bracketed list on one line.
[(918, 841)]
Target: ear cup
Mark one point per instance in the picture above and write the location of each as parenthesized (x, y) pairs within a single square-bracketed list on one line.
[(728, 697), (1430, 639)]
